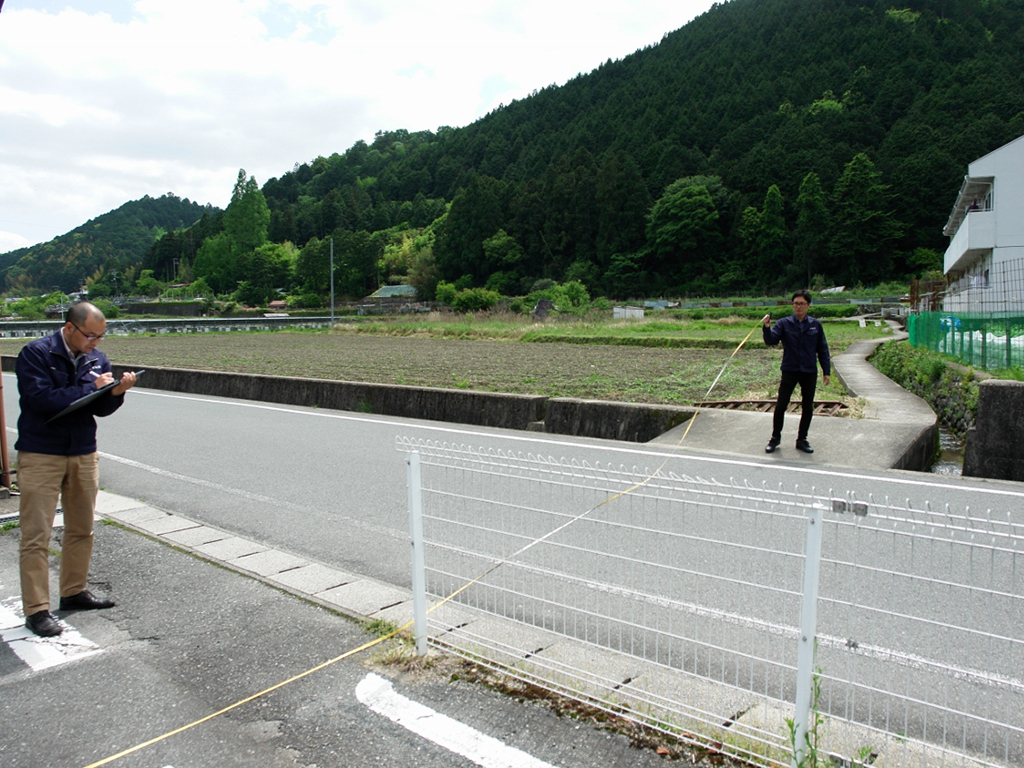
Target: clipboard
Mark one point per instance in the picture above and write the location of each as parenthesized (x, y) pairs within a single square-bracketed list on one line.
[(86, 399)]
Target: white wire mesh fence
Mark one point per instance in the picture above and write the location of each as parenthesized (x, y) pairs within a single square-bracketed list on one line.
[(682, 602)]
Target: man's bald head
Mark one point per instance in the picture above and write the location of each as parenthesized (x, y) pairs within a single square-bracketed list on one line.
[(82, 312)]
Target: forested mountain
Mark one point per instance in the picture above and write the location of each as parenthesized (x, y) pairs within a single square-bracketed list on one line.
[(767, 145), (115, 242)]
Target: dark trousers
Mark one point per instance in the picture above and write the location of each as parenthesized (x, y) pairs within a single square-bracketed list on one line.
[(807, 382)]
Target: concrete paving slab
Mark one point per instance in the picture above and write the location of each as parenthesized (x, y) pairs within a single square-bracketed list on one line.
[(313, 578), (699, 699), (195, 536), (269, 563), (135, 515), (439, 620), (399, 615), (450, 615), (164, 524), (505, 641), (603, 668), (363, 597), (109, 503), (230, 548)]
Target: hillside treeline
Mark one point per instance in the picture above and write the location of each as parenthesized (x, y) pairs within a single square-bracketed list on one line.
[(107, 249), (768, 144)]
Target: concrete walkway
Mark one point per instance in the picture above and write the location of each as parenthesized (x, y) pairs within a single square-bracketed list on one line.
[(899, 430)]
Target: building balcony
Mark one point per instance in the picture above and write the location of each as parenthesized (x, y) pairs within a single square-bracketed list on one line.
[(975, 237)]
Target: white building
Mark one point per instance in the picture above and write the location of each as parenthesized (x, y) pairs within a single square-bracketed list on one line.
[(984, 263)]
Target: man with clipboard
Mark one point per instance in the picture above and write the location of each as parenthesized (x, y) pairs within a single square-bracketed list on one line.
[(58, 379)]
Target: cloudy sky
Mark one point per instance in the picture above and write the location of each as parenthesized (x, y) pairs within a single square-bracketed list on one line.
[(104, 101)]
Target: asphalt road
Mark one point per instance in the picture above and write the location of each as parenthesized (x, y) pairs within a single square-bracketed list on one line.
[(332, 485)]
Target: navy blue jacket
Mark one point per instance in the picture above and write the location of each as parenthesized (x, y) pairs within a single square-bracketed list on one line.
[(802, 343), (48, 382)]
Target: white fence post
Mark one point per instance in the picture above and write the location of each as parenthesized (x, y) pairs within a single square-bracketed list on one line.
[(419, 575), (805, 703)]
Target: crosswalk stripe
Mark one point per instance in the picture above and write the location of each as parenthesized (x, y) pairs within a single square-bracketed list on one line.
[(43, 652)]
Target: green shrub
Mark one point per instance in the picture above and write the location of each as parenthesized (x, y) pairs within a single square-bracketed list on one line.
[(446, 292), (33, 308), (305, 301), (474, 299), (820, 311), (570, 297), (109, 309)]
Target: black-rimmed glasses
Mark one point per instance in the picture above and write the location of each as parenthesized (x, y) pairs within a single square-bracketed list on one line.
[(88, 336)]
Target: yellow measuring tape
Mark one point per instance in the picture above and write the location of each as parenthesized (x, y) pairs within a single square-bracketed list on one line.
[(467, 585)]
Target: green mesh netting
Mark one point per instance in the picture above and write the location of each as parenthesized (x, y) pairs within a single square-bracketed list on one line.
[(978, 339)]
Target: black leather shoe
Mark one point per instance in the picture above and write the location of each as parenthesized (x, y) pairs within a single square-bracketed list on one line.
[(772, 445), (84, 601), (803, 445), (43, 624)]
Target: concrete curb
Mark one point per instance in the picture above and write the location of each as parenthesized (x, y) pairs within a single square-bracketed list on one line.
[(349, 594)]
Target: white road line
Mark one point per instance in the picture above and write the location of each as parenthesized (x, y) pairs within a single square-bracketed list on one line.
[(43, 652), (189, 479), (379, 695)]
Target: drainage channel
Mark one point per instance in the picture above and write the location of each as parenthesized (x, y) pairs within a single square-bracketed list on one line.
[(950, 460)]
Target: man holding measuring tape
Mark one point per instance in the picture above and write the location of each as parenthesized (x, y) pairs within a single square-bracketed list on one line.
[(803, 347)]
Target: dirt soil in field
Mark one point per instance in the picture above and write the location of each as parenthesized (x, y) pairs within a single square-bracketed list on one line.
[(630, 374)]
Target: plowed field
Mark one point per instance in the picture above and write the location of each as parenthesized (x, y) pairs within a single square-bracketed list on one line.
[(632, 374)]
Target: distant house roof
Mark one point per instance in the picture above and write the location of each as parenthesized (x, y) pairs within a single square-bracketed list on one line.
[(394, 291)]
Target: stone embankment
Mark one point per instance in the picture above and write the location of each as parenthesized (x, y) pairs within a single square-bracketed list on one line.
[(953, 396)]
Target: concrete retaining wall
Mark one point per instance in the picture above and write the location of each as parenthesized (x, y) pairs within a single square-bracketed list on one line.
[(455, 405), (995, 445), (613, 421), (565, 416)]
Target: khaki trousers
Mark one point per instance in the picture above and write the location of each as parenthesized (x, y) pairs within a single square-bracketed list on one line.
[(43, 480)]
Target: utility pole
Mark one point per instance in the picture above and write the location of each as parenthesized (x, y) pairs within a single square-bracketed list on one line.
[(332, 279)]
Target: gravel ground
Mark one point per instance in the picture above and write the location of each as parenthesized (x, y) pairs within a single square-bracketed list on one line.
[(630, 374)]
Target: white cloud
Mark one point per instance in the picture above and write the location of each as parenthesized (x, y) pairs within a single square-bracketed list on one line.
[(154, 96)]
